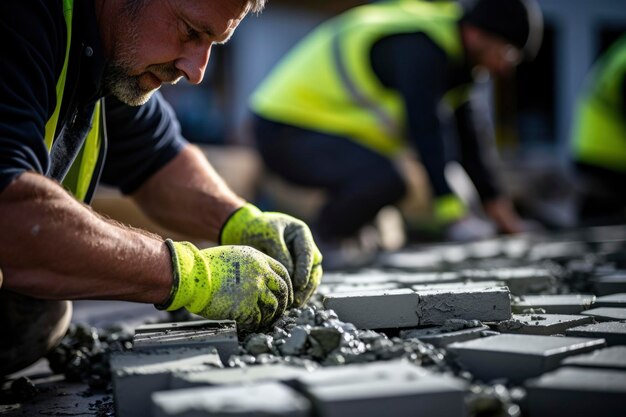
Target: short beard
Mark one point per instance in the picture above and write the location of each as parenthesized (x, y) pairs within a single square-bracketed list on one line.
[(117, 79)]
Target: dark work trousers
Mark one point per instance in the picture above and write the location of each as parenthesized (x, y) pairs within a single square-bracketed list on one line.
[(358, 181), (29, 328), (602, 200)]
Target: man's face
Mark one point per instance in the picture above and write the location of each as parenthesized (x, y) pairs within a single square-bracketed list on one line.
[(150, 42), (494, 54)]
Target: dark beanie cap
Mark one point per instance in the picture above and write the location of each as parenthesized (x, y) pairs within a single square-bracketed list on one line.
[(512, 20)]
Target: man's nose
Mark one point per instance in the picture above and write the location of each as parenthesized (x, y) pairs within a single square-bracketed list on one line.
[(193, 62)]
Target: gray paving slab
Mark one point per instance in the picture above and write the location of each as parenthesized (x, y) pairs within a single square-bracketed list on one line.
[(554, 304), (557, 250), (574, 392), (518, 357), (220, 334), (411, 260), (613, 332), (263, 399), (375, 371), (376, 309), (406, 308), (606, 313), (610, 284), (542, 324), (343, 288), (398, 389), (438, 338), (235, 376), (427, 278), (136, 375), (612, 300), (609, 358), (484, 304), (520, 280), (458, 285)]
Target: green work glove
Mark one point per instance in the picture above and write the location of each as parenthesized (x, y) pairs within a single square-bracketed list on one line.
[(229, 282), (448, 209), (284, 238)]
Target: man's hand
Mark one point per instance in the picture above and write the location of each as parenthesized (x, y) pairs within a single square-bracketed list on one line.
[(282, 237), (229, 282)]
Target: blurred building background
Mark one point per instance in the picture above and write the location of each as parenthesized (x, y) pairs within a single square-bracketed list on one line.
[(532, 111)]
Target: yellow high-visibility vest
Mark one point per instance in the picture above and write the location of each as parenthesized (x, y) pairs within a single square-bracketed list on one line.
[(327, 84), (80, 175), (599, 132)]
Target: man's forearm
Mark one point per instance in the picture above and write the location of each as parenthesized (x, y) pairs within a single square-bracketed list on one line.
[(54, 247), (188, 196)]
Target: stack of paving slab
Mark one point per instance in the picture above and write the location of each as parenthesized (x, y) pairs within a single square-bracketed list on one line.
[(547, 315)]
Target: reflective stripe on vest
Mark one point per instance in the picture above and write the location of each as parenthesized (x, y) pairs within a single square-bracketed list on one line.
[(599, 134), (327, 83), (79, 177)]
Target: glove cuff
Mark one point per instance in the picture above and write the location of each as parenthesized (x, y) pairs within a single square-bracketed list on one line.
[(191, 287), (448, 208), (231, 231)]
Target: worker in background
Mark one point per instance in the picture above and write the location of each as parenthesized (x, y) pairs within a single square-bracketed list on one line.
[(367, 84), (599, 140), (78, 104)]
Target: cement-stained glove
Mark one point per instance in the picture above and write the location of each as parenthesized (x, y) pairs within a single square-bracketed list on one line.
[(284, 238), (229, 282)]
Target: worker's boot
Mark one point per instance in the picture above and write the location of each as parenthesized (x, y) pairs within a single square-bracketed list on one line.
[(29, 328)]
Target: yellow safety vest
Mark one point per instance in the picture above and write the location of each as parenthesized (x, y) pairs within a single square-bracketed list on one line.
[(599, 133), (80, 175), (327, 83)]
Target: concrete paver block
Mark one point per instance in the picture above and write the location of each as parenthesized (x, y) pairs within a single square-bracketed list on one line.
[(384, 388), (221, 334), (542, 324), (376, 309), (484, 304), (518, 357), (555, 304), (138, 374), (370, 276), (234, 376), (259, 400), (612, 300), (612, 331), (427, 278), (342, 288), (458, 285), (437, 338), (609, 358), (610, 284), (574, 392), (405, 308), (606, 313), (411, 260), (526, 280)]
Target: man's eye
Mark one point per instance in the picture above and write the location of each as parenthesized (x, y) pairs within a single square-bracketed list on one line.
[(191, 32)]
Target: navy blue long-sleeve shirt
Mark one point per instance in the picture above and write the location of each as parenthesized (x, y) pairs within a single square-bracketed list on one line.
[(413, 65), (140, 139)]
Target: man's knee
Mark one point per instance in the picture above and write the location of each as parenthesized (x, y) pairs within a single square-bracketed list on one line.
[(29, 329)]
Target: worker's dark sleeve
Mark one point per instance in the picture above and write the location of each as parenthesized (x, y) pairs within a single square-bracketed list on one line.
[(477, 149), (31, 58), (418, 69), (141, 140)]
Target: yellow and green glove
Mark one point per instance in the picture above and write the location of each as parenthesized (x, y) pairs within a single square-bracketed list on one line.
[(284, 238), (228, 282)]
